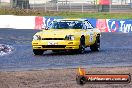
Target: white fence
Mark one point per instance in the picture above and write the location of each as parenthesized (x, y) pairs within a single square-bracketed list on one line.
[(68, 5), (17, 22)]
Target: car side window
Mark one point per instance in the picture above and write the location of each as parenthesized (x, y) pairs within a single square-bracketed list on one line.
[(88, 25), (78, 26), (84, 26)]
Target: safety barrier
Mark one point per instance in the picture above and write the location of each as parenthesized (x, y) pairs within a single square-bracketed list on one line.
[(105, 25), (114, 25), (39, 23)]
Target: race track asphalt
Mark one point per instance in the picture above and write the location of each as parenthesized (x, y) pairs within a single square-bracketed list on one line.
[(116, 50)]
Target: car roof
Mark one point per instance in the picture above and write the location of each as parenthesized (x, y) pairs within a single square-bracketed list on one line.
[(70, 19)]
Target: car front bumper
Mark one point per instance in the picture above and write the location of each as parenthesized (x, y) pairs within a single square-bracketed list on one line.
[(55, 44)]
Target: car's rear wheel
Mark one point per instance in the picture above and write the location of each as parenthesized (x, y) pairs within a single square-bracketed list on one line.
[(38, 52), (82, 45), (96, 45)]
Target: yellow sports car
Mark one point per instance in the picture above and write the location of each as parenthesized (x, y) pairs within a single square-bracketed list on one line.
[(67, 35)]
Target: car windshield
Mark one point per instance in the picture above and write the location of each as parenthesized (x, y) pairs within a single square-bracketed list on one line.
[(66, 24)]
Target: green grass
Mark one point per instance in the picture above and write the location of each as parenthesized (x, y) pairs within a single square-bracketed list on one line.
[(66, 14), (4, 4)]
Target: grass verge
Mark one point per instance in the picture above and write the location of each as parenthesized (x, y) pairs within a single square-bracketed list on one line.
[(31, 12)]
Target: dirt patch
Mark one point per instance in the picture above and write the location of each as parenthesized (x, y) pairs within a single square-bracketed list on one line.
[(58, 78)]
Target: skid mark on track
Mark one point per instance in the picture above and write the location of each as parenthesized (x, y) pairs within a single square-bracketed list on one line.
[(6, 49)]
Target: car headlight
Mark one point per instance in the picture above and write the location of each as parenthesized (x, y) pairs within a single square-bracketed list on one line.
[(69, 37), (36, 37)]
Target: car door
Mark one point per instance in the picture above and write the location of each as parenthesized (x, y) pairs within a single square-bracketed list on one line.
[(89, 33)]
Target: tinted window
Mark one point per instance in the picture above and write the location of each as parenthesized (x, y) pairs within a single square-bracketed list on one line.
[(66, 24)]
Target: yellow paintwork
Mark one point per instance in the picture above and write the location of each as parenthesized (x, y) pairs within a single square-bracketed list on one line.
[(37, 44), (90, 37)]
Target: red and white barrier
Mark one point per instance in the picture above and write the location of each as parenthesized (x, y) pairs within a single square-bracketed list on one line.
[(40, 22)]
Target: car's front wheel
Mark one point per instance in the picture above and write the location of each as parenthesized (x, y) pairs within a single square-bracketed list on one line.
[(38, 52), (82, 45), (96, 45)]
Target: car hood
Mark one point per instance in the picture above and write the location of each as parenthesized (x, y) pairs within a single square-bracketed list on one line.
[(60, 33)]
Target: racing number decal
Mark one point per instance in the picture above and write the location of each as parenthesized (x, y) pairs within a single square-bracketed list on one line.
[(91, 37)]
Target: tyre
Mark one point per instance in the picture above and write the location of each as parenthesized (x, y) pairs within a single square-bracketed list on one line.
[(82, 45), (96, 45), (38, 52)]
